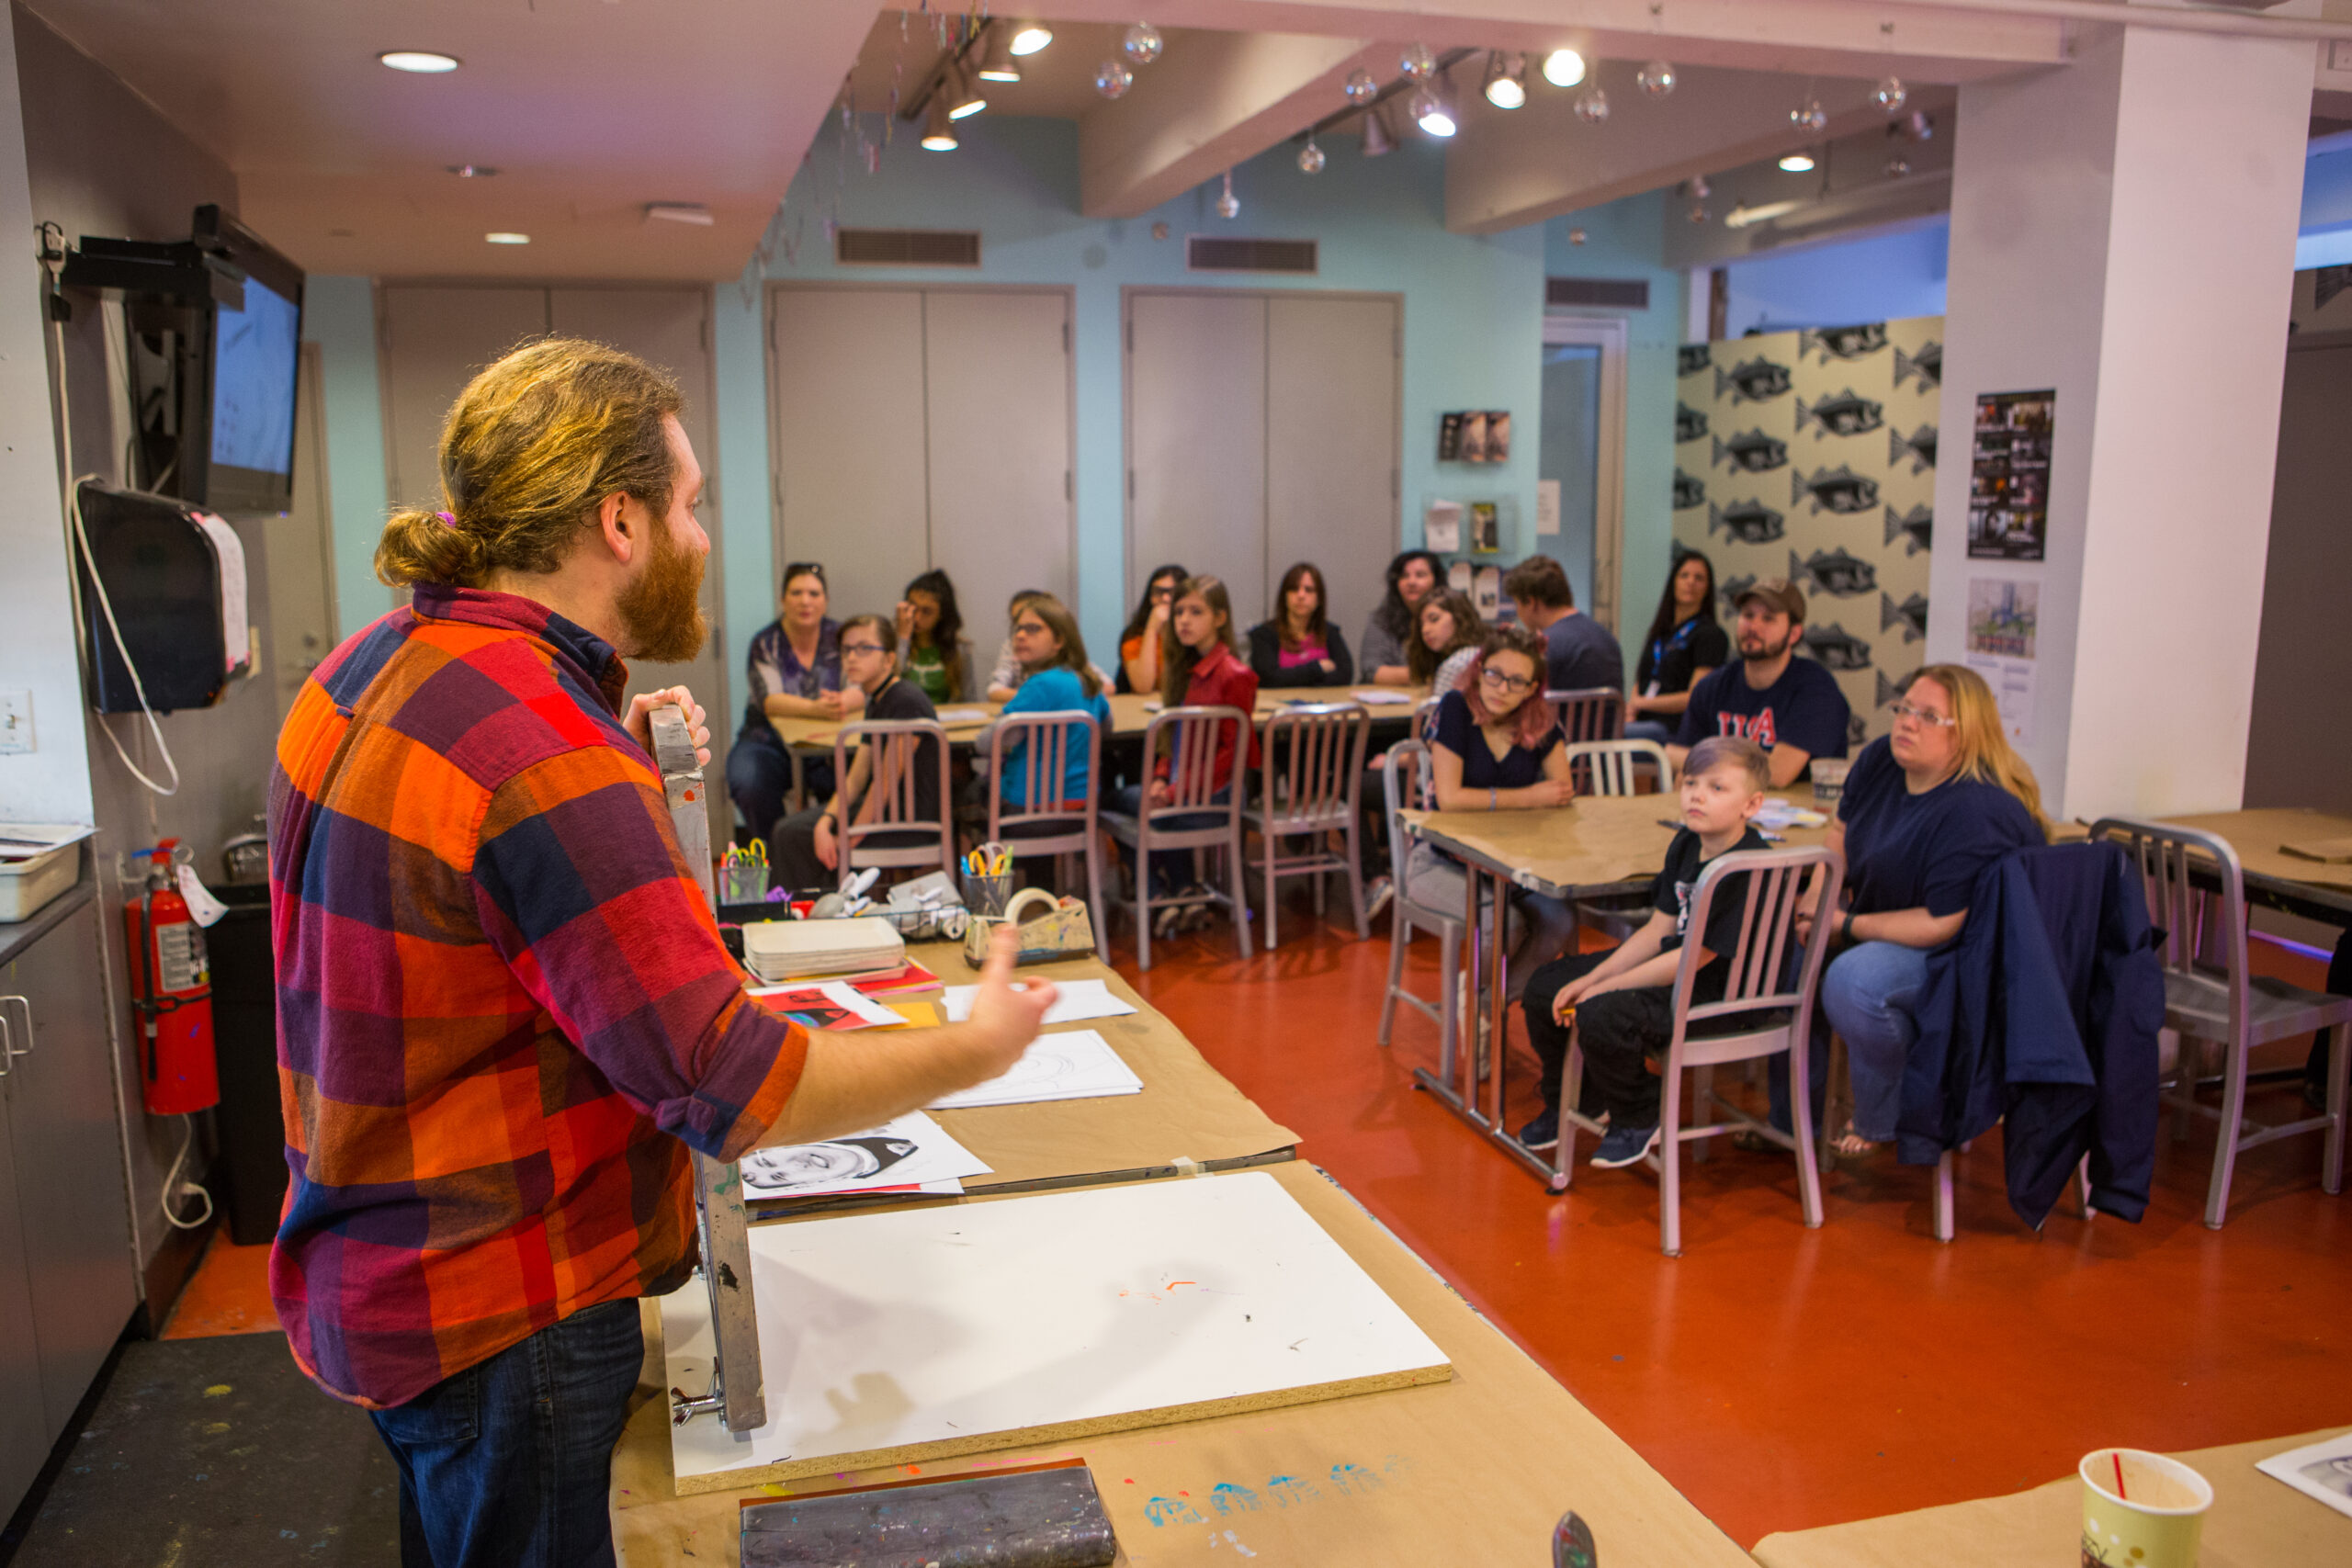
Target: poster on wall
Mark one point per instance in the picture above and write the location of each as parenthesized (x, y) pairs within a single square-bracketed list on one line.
[(2002, 613), (2008, 483)]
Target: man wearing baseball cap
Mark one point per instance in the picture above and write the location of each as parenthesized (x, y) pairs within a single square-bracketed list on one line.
[(1790, 706)]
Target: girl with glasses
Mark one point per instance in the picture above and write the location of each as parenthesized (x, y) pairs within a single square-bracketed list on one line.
[(1497, 748), (808, 844), (1140, 644)]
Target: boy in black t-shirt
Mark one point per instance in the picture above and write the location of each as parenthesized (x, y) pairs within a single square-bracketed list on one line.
[(1622, 1003)]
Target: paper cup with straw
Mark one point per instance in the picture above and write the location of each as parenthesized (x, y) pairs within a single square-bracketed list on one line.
[(2141, 1510)]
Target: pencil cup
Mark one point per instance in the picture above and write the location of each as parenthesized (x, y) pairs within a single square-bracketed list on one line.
[(2141, 1509), (1829, 778), (987, 895), (742, 883)]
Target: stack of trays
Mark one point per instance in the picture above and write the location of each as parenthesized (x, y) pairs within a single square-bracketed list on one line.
[(777, 951)]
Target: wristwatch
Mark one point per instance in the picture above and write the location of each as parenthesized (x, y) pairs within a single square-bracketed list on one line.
[(1846, 932)]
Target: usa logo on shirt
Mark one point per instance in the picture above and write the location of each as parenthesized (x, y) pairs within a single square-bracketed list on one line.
[(1745, 726)]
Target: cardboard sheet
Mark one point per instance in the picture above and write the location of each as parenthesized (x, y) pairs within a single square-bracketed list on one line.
[(2260, 837)]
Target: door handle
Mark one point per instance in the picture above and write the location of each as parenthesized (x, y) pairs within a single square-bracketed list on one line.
[(7, 1043), (8, 1047)]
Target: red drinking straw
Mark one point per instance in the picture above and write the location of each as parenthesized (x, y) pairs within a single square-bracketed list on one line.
[(2118, 1457)]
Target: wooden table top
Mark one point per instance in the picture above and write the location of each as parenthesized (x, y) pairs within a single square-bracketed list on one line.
[(1598, 841), (2256, 1522), (1131, 713), (1475, 1470), (2259, 837)]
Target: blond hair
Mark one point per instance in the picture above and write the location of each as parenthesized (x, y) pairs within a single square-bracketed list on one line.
[(530, 448), (1979, 743)]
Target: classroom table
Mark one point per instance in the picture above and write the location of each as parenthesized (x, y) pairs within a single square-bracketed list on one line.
[(2275, 879), (1131, 714), (1475, 1469), (1598, 845), (2256, 1522)]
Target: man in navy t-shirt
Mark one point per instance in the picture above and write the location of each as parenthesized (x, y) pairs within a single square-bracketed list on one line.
[(1790, 706)]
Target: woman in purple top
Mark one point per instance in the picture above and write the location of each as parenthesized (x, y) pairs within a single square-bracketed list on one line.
[(792, 670), (1300, 646)]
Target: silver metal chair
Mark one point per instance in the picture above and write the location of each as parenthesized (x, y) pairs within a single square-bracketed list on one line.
[(1615, 767), (891, 805), (1753, 984), (2212, 999), (1043, 822), (1310, 784), (1405, 783), (1592, 713), (1189, 738)]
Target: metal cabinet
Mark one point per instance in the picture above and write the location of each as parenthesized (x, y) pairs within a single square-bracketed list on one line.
[(24, 1442), (64, 1148)]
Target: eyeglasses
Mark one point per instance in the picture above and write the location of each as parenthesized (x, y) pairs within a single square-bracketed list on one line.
[(1923, 716), (849, 648), (1507, 683)]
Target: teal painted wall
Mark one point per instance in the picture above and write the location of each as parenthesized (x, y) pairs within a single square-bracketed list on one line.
[(339, 315), (1473, 305)]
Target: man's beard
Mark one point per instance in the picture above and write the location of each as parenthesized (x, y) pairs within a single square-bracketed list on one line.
[(660, 612), (1764, 652)]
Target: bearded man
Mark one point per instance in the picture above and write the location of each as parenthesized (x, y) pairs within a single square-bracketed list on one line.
[(505, 1012)]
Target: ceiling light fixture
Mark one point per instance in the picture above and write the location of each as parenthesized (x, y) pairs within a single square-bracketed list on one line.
[(1377, 138), (1227, 204), (1564, 68), (1796, 163), (472, 170), (965, 99), (997, 63), (938, 127), (1431, 112), (693, 212), (1031, 37), (419, 62), (1741, 217), (1506, 86), (506, 237)]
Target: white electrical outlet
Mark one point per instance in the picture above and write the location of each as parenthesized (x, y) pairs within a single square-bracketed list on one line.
[(15, 721)]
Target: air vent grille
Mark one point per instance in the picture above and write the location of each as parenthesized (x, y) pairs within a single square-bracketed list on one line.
[(1608, 293), (906, 247), (1215, 252)]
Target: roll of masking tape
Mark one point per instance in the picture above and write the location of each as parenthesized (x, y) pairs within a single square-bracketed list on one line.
[(1029, 903)]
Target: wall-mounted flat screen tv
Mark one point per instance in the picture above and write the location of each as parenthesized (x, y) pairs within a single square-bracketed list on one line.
[(246, 439)]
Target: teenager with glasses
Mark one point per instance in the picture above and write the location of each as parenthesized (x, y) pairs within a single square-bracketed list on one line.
[(793, 671), (1923, 812), (1498, 747), (808, 844)]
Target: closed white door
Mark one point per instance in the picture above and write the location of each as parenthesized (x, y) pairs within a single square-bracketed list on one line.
[(434, 340), (1196, 441), (1332, 431), (997, 401), (852, 479)]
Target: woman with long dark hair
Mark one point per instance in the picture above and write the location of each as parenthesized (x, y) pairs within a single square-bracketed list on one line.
[(1141, 641), (933, 651), (1685, 645), (1412, 577), (1298, 645)]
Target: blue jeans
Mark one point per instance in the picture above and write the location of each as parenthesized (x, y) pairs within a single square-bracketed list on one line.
[(508, 1463), (1656, 730), (1869, 993), (1170, 869)]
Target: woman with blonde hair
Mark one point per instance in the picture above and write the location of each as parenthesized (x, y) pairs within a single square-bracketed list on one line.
[(1925, 810)]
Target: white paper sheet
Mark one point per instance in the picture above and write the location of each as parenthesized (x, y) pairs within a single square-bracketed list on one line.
[(1381, 696), (834, 1004), (235, 632), (1076, 1064), (1080, 1000), (965, 715), (2320, 1470), (911, 1151)]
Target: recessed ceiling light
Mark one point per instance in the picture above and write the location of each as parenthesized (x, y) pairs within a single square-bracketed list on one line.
[(1797, 162), (472, 170), (423, 62), (506, 237), (1031, 37)]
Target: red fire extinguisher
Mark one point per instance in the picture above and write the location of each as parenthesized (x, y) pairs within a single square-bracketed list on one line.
[(171, 986)]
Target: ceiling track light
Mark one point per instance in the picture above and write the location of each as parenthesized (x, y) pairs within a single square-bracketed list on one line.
[(965, 99), (1431, 112), (419, 62), (690, 212), (1028, 38), (1564, 68), (1228, 206), (938, 127), (1796, 162), (1505, 84), (1377, 138), (997, 63)]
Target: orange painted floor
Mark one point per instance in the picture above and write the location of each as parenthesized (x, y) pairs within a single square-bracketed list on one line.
[(1782, 1378)]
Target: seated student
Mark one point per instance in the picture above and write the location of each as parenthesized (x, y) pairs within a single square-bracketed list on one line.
[(1923, 812), (1300, 646), (807, 845), (1381, 649), (1790, 706), (1580, 654), (932, 649), (1006, 675), (1685, 646), (1447, 643), (1200, 668), (1140, 643), (793, 671), (1622, 1002), (1057, 678), (1497, 748)]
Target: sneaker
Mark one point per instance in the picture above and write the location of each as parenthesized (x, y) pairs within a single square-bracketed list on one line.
[(1621, 1147), (1376, 898), (1543, 1132), (1164, 924)]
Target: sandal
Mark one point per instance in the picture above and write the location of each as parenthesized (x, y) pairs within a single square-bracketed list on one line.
[(1850, 1144)]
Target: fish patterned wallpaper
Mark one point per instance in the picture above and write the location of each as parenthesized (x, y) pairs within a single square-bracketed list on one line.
[(1812, 456)]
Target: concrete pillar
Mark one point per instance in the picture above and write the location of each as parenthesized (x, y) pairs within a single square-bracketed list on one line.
[(2124, 231)]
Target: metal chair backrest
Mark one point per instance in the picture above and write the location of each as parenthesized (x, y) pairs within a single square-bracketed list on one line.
[(1050, 742), (1614, 767), (1754, 979), (1312, 776), (1405, 782), (1191, 737), (903, 748), (1425, 716), (1594, 713), (2201, 929)]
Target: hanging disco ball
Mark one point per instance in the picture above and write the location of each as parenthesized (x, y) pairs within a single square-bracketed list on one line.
[(1891, 94), (1656, 78), (1808, 116), (1112, 79), (1418, 62), (1361, 88), (1310, 158), (1592, 105), (1143, 43)]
